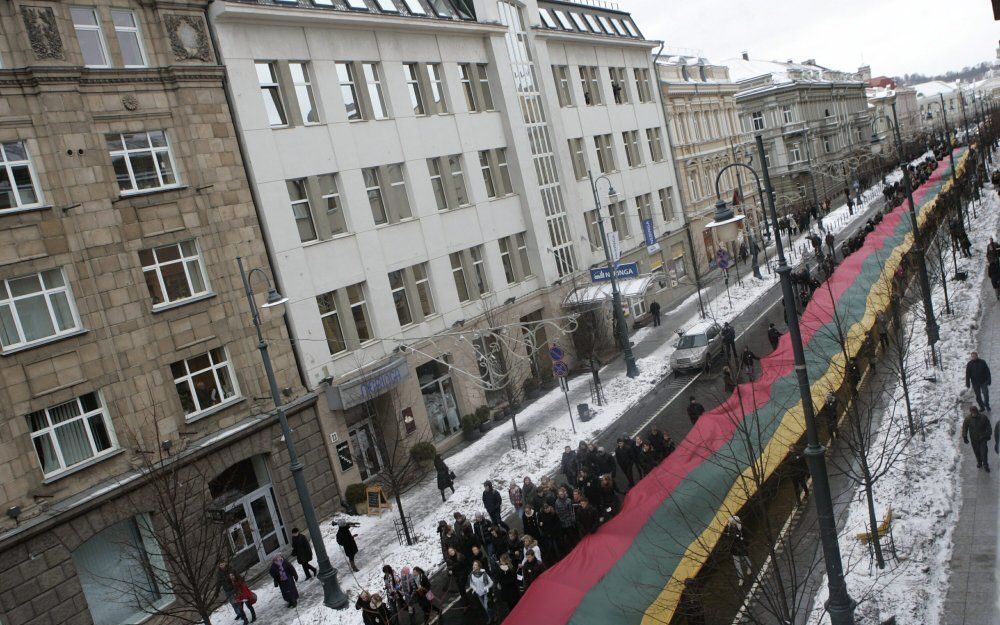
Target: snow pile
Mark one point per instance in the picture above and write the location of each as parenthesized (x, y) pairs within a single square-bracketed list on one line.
[(924, 485)]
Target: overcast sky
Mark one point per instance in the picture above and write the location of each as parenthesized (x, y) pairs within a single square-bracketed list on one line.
[(893, 36)]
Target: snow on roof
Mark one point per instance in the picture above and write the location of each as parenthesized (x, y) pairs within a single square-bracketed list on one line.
[(782, 73), (701, 327), (933, 88)]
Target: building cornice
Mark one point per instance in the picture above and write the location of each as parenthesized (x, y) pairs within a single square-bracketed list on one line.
[(38, 76), (596, 40)]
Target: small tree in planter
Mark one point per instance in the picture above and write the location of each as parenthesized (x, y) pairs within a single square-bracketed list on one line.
[(470, 426), (423, 453), (530, 388), (483, 417)]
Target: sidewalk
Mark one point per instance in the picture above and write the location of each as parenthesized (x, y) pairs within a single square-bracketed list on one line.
[(972, 595)]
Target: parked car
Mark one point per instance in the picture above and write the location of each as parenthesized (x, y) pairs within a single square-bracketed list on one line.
[(697, 347)]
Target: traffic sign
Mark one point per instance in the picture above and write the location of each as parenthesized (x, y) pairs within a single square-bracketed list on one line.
[(722, 256), (556, 353), (560, 369)]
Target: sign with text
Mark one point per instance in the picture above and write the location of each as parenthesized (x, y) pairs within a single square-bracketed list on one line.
[(628, 270), (614, 246), (647, 232)]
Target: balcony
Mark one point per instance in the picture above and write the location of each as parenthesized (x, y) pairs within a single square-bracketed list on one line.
[(793, 128)]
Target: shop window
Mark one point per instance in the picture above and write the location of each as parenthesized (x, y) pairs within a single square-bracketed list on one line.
[(438, 391)]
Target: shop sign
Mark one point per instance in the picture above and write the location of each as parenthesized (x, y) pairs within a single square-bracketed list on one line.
[(364, 387)]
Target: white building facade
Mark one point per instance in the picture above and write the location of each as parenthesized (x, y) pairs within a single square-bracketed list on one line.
[(419, 162)]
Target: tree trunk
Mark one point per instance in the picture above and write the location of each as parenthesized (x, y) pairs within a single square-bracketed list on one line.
[(873, 520), (402, 518)]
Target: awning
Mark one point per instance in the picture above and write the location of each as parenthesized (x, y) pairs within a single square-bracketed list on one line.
[(601, 291)]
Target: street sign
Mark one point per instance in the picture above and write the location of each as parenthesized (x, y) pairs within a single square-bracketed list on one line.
[(628, 270), (556, 353), (722, 256), (614, 246), (647, 232), (560, 369)]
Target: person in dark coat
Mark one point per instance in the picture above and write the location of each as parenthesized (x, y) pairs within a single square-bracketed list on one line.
[(729, 341), (747, 359), (530, 521), (346, 541), (364, 598), (425, 595), (647, 459), (654, 310), (656, 442), (482, 534), (224, 582), (736, 544), (605, 463), (728, 380), (608, 501), (445, 478), (977, 375), (303, 553), (550, 532), (569, 465), (625, 460), (694, 410), (976, 428), (531, 569), (506, 575), (458, 569), (492, 501), (798, 471), (993, 270), (284, 576), (587, 517), (378, 611), (773, 335)]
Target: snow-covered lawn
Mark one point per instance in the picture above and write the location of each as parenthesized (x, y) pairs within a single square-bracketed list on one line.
[(924, 487), (490, 458)]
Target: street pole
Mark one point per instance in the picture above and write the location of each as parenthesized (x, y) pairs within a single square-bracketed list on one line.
[(333, 596), (812, 179), (918, 250), (631, 370), (694, 267), (840, 606)]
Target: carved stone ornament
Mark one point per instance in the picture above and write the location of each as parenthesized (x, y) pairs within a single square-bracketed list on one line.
[(43, 32), (188, 37), (130, 102)]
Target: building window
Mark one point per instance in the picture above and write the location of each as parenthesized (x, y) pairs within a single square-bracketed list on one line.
[(667, 204), (142, 161), (19, 185), (521, 240), (507, 261), (619, 84), (448, 181), (417, 76), (560, 73), (329, 189), (36, 308), (71, 433), (173, 272), (482, 74), (129, 38), (677, 256), (204, 381), (373, 81), (349, 91), (827, 145), (514, 258), (476, 86), (386, 188), (330, 319), (397, 286), (303, 92), (437, 183), (619, 218), (496, 174), (373, 187), (655, 139), (605, 153), (90, 37), (413, 85), (437, 87), (422, 281), (757, 120), (633, 154), (366, 103), (359, 311), (593, 218), (267, 76), (644, 205), (642, 87), (298, 195), (479, 269), (127, 552), (800, 189), (458, 179), (786, 114), (458, 273), (795, 153), (590, 82), (576, 150)]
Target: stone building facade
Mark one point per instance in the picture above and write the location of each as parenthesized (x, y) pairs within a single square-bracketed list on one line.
[(124, 330)]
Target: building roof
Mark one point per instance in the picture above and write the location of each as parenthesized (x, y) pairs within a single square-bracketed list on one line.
[(784, 72), (933, 88), (882, 81), (589, 17), (433, 9)]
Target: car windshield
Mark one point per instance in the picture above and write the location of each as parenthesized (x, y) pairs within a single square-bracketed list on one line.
[(690, 341)]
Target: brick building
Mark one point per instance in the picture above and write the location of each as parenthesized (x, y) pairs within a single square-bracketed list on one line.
[(124, 331)]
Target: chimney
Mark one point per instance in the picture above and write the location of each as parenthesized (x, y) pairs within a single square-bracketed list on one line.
[(809, 62), (746, 55)]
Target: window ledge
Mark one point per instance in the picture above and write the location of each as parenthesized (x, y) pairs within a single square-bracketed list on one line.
[(25, 209), (214, 409), (33, 345), (184, 302), (145, 193), (83, 465)]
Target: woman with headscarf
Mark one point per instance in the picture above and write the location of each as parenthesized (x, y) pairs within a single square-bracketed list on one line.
[(284, 576)]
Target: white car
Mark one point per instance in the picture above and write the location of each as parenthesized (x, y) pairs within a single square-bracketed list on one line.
[(697, 347)]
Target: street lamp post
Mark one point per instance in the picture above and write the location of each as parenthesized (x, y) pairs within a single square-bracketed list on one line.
[(840, 606), (333, 596), (631, 370), (812, 180)]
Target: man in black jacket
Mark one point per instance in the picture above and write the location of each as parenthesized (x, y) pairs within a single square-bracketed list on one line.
[(303, 552), (694, 410), (977, 375), (624, 456), (492, 502), (569, 465), (773, 335), (976, 428), (729, 341)]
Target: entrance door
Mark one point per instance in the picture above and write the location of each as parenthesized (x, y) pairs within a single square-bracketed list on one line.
[(365, 450), (257, 532)]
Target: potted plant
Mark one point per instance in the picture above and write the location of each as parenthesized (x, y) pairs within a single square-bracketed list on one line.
[(423, 453), (483, 417), (530, 388), (470, 424)]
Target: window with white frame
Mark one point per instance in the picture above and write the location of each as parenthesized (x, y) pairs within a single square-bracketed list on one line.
[(605, 153), (590, 82), (204, 381), (437, 183), (270, 89), (479, 269), (619, 84), (373, 81), (359, 312), (576, 151), (373, 187), (667, 204), (448, 181), (18, 183), (397, 287), (633, 153), (757, 120), (827, 144), (89, 36), (329, 188), (496, 174), (422, 282), (642, 85), (795, 153), (655, 139), (412, 73), (459, 275), (298, 195), (330, 318), (506, 261), (786, 114), (349, 90), (560, 73), (173, 272), (129, 38), (302, 85), (36, 308), (71, 433), (436, 80), (142, 161), (619, 218), (476, 86), (411, 293)]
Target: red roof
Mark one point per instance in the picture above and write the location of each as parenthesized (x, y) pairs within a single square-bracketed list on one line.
[(882, 81)]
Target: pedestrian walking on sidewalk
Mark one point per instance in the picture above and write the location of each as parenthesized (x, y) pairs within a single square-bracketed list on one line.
[(829, 240), (284, 576), (736, 543), (492, 501), (747, 360), (245, 598), (224, 582), (654, 310), (993, 270), (977, 375), (798, 471), (346, 541), (728, 380), (694, 410), (480, 584), (976, 429), (303, 553), (773, 335), (445, 477), (729, 341)]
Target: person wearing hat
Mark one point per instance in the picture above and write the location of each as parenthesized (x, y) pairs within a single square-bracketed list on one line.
[(773, 335), (346, 541)]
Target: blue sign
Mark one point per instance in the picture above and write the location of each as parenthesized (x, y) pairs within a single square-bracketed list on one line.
[(647, 231), (628, 270), (560, 369), (556, 353)]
